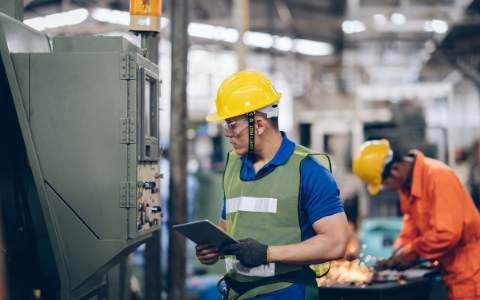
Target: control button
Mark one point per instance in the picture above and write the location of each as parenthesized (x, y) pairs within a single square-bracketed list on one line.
[(156, 209), (148, 215), (149, 185)]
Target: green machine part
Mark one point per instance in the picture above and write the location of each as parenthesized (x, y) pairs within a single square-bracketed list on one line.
[(79, 165)]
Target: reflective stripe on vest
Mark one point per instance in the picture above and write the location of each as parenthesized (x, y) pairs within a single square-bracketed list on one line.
[(251, 204)]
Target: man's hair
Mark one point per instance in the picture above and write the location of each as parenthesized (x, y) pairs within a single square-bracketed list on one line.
[(273, 121), (397, 157)]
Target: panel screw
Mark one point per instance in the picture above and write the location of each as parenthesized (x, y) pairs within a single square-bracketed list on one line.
[(123, 58), (131, 75), (123, 123), (131, 131), (123, 130), (123, 203), (131, 67), (131, 140), (131, 58), (131, 195), (131, 203), (123, 195), (123, 139), (123, 67), (131, 187), (123, 187), (123, 75)]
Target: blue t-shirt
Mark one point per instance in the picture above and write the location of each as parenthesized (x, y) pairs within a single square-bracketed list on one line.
[(320, 198)]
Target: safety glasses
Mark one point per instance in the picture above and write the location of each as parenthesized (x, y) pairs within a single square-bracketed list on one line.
[(233, 128)]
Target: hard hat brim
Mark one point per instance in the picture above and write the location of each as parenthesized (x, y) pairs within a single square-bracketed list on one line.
[(373, 189), (213, 117)]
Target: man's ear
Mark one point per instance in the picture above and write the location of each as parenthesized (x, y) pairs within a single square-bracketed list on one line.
[(260, 125)]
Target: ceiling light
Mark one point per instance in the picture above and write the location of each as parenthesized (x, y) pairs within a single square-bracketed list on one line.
[(439, 26), (36, 23), (211, 32), (229, 35), (379, 19), (398, 19), (359, 26), (111, 16), (283, 43), (348, 27), (308, 47), (164, 22), (68, 18), (204, 31), (258, 39), (427, 26)]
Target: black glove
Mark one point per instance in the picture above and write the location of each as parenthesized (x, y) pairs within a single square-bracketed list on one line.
[(249, 252)]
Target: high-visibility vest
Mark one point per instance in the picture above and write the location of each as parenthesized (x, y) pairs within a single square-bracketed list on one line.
[(267, 209)]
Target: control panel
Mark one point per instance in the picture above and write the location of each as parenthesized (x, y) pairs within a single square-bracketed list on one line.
[(148, 150), (148, 193)]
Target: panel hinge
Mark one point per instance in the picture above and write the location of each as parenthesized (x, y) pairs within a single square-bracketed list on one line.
[(127, 194), (127, 131), (128, 66)]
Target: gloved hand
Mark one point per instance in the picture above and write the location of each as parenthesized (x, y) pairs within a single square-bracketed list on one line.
[(249, 252), (398, 261)]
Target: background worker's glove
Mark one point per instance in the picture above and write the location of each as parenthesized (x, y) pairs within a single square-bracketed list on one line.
[(249, 252)]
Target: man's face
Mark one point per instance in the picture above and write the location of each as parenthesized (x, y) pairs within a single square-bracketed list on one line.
[(396, 180), (239, 141), (391, 184)]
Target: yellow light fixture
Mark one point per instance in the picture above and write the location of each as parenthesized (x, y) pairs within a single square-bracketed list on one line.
[(145, 15)]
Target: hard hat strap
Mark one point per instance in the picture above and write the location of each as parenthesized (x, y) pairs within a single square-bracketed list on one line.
[(251, 132)]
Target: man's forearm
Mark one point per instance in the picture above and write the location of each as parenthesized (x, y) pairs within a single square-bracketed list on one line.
[(316, 250), (330, 243)]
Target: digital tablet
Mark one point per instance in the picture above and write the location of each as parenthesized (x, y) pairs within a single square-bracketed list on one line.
[(205, 232)]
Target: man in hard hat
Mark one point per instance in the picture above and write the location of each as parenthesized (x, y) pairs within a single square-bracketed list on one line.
[(280, 202), (440, 219)]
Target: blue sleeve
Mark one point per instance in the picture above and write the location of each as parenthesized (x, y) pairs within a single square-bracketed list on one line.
[(224, 215), (320, 193)]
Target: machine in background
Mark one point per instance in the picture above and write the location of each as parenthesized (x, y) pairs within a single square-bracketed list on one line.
[(79, 161)]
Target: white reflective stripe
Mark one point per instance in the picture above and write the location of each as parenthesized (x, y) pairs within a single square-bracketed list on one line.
[(268, 205), (260, 271)]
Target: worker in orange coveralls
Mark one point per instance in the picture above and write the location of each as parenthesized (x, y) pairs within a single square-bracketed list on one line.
[(440, 220)]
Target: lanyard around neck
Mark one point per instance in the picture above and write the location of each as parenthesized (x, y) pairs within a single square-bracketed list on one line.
[(251, 132)]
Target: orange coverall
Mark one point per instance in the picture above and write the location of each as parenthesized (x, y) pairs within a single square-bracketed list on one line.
[(441, 222)]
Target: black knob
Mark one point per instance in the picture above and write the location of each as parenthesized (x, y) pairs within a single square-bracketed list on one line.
[(149, 185), (156, 209)]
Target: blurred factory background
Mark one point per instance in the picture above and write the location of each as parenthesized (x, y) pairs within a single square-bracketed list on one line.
[(349, 71)]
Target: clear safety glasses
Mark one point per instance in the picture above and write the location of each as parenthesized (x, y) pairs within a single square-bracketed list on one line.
[(234, 128)]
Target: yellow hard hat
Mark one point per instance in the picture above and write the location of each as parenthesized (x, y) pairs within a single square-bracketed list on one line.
[(241, 93), (368, 163)]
